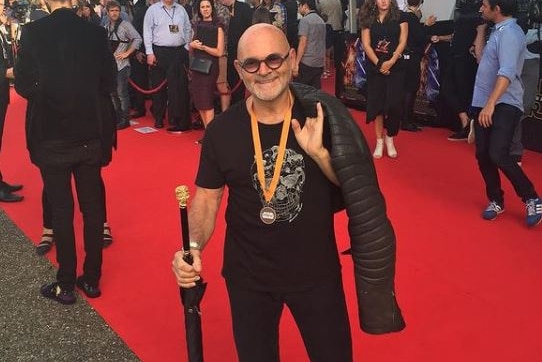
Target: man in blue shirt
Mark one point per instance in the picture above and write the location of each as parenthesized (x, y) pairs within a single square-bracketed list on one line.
[(166, 34), (498, 97)]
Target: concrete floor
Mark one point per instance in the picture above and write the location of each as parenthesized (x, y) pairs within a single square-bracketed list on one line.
[(33, 328)]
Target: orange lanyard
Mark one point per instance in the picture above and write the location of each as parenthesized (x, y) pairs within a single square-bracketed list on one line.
[(269, 191)]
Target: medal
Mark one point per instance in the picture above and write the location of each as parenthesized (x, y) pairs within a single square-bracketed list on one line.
[(268, 215)]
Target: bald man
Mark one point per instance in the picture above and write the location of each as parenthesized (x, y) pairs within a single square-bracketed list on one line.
[(279, 245)]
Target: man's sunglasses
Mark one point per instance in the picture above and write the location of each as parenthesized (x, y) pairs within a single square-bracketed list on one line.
[(272, 61)]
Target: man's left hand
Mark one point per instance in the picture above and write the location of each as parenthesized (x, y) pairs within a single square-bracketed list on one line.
[(122, 55), (310, 136), (486, 115), (141, 58)]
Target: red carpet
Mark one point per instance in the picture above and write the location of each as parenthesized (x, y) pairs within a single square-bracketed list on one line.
[(470, 290)]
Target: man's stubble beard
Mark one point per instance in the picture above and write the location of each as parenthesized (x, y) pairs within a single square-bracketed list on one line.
[(272, 94)]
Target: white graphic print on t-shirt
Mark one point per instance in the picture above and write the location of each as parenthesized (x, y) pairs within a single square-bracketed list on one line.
[(287, 198)]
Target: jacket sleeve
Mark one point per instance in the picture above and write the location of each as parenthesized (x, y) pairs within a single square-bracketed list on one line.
[(108, 86), (26, 67), (372, 237)]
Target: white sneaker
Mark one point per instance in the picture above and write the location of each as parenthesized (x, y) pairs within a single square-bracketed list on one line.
[(390, 147), (379, 149)]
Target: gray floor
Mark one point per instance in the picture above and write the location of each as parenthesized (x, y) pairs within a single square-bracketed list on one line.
[(33, 328)]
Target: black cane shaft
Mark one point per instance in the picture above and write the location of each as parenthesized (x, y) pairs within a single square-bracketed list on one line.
[(184, 228), (190, 297)]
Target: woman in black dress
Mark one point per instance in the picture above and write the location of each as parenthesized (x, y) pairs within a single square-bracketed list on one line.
[(384, 33), (208, 42)]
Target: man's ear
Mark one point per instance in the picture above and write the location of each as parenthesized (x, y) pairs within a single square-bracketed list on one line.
[(238, 68), (292, 57)]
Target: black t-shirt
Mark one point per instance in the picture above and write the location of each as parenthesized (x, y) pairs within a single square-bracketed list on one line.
[(417, 33), (299, 249), (464, 33), (385, 38)]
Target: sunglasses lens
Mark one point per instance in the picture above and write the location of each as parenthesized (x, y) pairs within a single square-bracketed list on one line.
[(274, 61), (251, 65)]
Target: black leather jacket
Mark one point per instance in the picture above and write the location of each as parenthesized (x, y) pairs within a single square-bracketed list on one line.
[(371, 234)]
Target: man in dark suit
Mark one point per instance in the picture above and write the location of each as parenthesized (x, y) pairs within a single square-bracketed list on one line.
[(166, 34), (6, 72), (67, 77)]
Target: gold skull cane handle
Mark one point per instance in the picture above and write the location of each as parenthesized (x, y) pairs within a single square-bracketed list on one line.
[(182, 195)]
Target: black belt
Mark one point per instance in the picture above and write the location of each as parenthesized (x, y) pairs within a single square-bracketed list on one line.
[(166, 47)]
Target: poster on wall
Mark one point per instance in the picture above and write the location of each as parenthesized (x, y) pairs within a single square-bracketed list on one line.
[(354, 92), (532, 124), (536, 111), (429, 89)]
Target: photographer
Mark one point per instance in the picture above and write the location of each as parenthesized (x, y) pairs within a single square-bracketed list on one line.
[(124, 41), (18, 11)]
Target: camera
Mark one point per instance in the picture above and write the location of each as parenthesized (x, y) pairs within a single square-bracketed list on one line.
[(19, 10)]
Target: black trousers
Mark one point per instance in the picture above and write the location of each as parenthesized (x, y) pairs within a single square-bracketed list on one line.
[(171, 65), (3, 111), (47, 210), (320, 314), (310, 75), (140, 75), (58, 162), (412, 84), (493, 154), (458, 83), (339, 48)]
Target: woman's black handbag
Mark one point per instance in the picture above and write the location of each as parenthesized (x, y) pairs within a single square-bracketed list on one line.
[(201, 65)]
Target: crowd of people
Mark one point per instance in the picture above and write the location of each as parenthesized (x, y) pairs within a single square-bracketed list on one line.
[(238, 59), (488, 90)]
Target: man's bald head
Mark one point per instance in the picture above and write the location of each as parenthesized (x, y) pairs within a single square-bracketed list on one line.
[(266, 46), (259, 34)]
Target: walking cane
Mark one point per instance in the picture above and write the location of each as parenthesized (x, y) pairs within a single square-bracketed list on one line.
[(190, 297)]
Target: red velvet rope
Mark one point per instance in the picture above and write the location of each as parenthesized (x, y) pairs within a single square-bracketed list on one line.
[(161, 85), (231, 91), (145, 91)]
